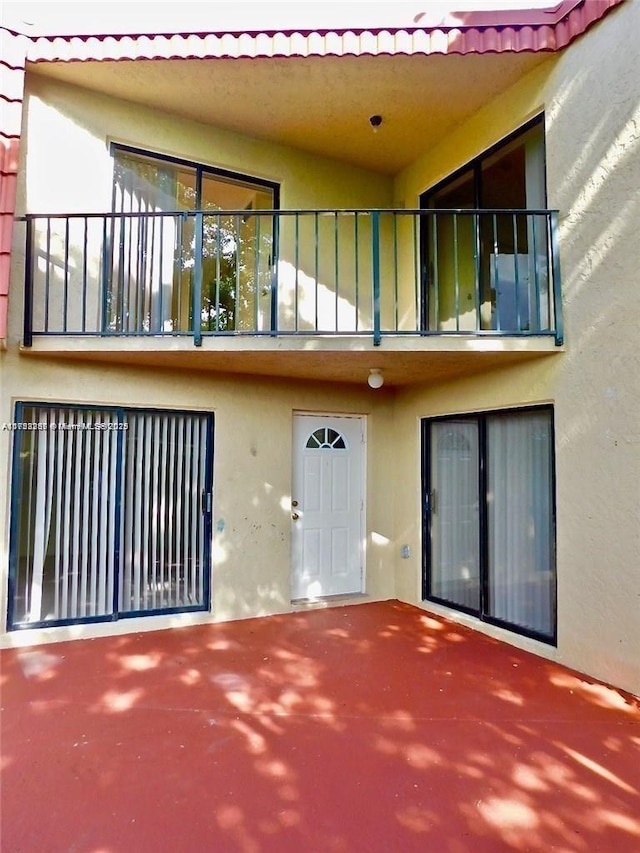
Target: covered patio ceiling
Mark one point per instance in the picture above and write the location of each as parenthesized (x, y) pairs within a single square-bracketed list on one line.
[(321, 105), (373, 727)]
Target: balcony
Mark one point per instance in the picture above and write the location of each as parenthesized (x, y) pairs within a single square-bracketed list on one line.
[(241, 290)]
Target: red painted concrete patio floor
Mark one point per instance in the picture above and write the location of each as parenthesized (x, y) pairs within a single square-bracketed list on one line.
[(374, 727)]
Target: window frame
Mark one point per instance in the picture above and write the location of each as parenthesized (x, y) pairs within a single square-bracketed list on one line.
[(117, 614), (200, 168), (481, 418), (474, 167), (475, 164)]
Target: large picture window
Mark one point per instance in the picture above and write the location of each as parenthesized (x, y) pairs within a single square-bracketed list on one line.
[(488, 497), (158, 243), (111, 513)]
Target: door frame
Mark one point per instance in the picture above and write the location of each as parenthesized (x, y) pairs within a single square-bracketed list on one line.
[(362, 418)]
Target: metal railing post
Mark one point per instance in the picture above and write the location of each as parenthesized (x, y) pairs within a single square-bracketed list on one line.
[(273, 320), (477, 248), (557, 286), (197, 281), (27, 334), (375, 269), (108, 293)]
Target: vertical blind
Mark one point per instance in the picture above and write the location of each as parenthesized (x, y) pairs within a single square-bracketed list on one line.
[(67, 516), (147, 257), (163, 532), (520, 519), (455, 539), (111, 512)]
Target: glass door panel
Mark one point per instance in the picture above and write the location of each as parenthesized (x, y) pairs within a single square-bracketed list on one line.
[(490, 271), (111, 514), (149, 286), (489, 520), (513, 246), (153, 252), (67, 486), (237, 255), (163, 530), (454, 513), (520, 520), (451, 252)]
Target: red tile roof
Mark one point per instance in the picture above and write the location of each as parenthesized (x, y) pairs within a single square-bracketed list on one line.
[(12, 64), (474, 32)]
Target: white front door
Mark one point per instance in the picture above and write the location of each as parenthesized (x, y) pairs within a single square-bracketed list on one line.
[(327, 505)]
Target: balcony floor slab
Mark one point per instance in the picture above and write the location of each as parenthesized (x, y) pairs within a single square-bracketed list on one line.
[(405, 360)]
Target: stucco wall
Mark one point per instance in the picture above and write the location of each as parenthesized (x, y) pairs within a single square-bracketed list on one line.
[(69, 169), (252, 473), (593, 176), (66, 167), (69, 130)]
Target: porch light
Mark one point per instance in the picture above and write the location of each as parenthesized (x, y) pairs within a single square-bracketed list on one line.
[(375, 379)]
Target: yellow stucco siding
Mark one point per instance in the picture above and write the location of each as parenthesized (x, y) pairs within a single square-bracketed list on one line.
[(592, 126), (252, 468), (69, 169), (69, 130)]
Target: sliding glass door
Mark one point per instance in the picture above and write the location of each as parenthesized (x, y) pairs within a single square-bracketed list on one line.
[(489, 270), (111, 514), (489, 517), (156, 243)]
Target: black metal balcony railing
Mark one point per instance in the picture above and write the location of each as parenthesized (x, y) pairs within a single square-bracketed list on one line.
[(301, 272)]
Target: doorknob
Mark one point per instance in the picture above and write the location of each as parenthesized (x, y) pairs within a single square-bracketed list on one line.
[(294, 503), (295, 516)]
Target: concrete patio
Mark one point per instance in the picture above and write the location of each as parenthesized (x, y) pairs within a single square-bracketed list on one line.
[(373, 727)]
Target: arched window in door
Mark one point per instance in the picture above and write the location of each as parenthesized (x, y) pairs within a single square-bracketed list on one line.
[(325, 438)]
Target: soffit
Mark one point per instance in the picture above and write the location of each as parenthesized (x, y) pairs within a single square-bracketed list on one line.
[(316, 104)]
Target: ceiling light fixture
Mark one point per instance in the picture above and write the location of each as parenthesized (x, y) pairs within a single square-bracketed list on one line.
[(375, 379)]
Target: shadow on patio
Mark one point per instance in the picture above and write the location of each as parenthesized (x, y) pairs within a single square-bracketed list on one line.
[(373, 727)]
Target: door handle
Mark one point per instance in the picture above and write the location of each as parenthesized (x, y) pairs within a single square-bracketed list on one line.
[(295, 516)]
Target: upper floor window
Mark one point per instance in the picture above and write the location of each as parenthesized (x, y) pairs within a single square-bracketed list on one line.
[(510, 175), (164, 254), (488, 269), (145, 182)]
